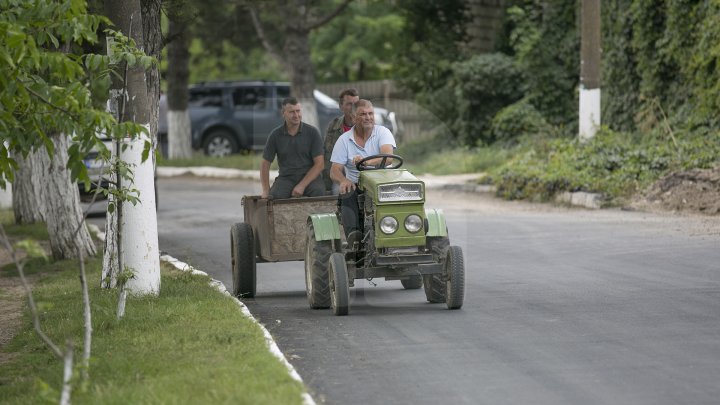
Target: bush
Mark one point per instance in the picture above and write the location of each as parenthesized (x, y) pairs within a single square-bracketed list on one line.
[(517, 120), (614, 164), (482, 86)]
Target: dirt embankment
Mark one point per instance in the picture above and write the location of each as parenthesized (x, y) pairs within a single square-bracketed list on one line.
[(696, 191)]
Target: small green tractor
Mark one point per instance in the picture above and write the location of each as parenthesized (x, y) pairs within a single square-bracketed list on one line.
[(399, 240)]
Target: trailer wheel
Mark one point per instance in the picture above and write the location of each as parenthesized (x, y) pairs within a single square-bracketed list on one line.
[(455, 285), (433, 283), (339, 288), (412, 283), (242, 253), (317, 254)]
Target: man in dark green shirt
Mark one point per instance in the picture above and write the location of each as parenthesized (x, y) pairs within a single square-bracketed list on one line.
[(299, 149), (337, 127)]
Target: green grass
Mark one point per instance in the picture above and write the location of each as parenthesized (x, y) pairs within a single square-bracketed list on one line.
[(37, 231), (435, 156), (189, 345), (242, 161)]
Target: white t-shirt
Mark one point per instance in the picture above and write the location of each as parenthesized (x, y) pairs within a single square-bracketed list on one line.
[(346, 149)]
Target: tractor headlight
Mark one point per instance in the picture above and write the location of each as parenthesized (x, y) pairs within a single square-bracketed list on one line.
[(388, 225), (413, 223), (400, 192)]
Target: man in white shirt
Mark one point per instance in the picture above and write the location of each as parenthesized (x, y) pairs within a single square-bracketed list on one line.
[(362, 140)]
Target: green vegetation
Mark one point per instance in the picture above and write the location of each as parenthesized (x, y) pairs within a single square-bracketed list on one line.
[(614, 164), (513, 112), (244, 161), (190, 345), (659, 93)]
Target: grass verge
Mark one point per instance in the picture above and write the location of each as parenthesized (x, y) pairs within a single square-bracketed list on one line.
[(189, 345), (241, 161)]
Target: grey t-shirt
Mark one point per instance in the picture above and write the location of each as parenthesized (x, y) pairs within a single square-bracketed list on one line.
[(295, 153)]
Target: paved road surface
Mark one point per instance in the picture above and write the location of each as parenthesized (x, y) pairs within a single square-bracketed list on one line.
[(563, 306)]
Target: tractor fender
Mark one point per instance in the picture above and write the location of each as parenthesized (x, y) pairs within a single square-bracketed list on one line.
[(436, 222), (326, 226)]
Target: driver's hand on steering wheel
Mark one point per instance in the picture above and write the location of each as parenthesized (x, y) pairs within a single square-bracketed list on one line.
[(356, 159), (346, 186)]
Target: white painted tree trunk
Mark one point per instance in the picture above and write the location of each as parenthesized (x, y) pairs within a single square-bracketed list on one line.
[(138, 224), (589, 113), (6, 196), (44, 191), (179, 135), (26, 197), (62, 213), (309, 113)]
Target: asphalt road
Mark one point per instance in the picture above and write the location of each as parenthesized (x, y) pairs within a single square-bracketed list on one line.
[(563, 306)]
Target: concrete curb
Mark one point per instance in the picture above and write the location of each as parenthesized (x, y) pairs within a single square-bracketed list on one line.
[(216, 172), (461, 182), (581, 199)]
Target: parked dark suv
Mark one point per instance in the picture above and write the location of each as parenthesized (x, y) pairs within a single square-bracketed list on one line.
[(227, 117)]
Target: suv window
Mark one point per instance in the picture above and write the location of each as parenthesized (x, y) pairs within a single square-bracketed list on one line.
[(283, 92), (249, 97), (205, 98)]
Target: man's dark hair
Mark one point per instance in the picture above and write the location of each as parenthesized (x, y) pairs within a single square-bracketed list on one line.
[(289, 100), (348, 92)]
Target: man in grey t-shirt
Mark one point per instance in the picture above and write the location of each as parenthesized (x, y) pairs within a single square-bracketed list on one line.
[(299, 149)]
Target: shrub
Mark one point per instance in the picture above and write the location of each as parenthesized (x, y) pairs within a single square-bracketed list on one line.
[(482, 85), (517, 120)]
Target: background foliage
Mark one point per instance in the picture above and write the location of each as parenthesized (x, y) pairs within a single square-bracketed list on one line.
[(659, 80)]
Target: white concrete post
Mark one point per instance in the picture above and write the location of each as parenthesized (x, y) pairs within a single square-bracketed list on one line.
[(589, 113)]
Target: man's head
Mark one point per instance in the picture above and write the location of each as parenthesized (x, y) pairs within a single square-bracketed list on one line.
[(291, 111), (364, 114), (347, 98)]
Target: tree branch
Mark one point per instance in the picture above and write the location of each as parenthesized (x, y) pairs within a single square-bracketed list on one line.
[(329, 17), (261, 35)]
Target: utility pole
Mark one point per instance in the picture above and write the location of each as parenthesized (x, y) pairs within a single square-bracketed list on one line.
[(589, 69)]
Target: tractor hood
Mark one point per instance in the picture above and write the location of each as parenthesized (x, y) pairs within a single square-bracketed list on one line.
[(392, 186)]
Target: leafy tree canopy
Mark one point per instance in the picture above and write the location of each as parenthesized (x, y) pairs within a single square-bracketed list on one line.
[(360, 44), (47, 80)]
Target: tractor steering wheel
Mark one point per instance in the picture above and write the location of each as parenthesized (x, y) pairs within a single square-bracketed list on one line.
[(384, 156)]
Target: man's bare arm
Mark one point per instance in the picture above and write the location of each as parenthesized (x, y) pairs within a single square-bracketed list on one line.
[(265, 178)]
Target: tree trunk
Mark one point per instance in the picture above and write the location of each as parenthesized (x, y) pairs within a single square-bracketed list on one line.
[(63, 215), (179, 136), (26, 197), (297, 51), (138, 102), (44, 191), (152, 44), (111, 255)]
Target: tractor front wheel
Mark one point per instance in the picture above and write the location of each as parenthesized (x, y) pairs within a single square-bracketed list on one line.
[(455, 284), (317, 254), (339, 287)]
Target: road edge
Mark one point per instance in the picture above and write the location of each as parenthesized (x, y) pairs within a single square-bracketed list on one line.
[(271, 344)]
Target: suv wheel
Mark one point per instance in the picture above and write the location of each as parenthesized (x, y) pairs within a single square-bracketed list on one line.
[(220, 142)]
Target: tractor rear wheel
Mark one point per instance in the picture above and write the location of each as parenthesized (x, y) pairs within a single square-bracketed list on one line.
[(412, 283), (242, 254), (433, 283)]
